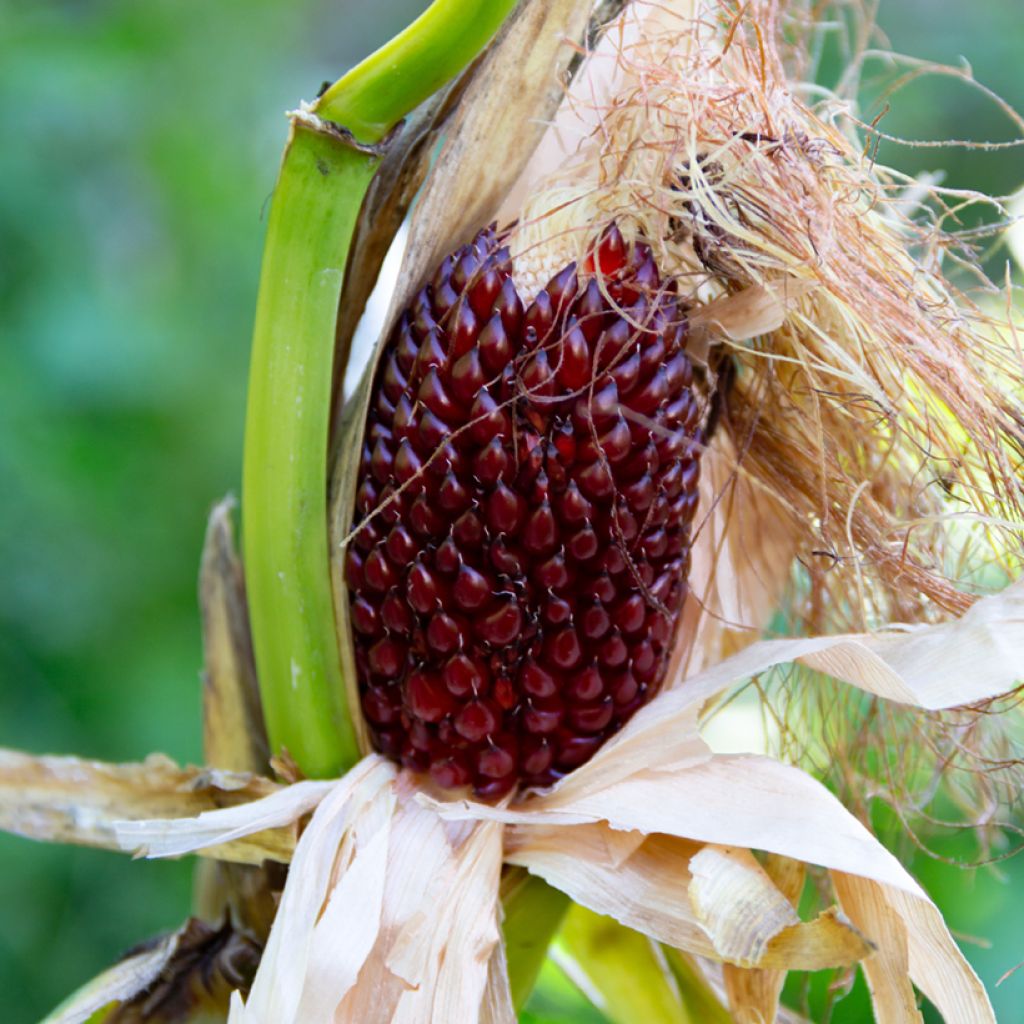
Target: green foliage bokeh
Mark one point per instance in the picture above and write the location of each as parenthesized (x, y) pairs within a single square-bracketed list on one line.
[(140, 146)]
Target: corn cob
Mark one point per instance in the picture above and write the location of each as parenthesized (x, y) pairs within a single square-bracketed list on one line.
[(528, 480)]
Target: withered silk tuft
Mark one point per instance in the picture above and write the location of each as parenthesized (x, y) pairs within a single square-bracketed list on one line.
[(526, 492)]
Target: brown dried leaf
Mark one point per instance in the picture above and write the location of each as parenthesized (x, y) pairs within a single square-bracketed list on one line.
[(122, 981), (741, 560), (72, 800), (752, 924), (752, 311), (185, 976), (647, 890), (888, 970), (234, 736), (925, 947)]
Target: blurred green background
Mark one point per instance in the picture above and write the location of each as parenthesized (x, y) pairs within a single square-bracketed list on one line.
[(140, 145)]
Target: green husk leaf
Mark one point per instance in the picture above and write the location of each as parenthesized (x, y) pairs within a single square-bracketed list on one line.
[(623, 972), (533, 912)]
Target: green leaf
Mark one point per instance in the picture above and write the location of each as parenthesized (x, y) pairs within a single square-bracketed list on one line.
[(698, 997), (533, 910), (623, 972)]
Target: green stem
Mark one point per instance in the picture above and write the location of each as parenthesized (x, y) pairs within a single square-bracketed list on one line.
[(284, 489), (380, 91), (533, 912)]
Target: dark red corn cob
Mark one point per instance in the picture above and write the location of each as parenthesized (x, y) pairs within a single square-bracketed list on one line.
[(528, 482)]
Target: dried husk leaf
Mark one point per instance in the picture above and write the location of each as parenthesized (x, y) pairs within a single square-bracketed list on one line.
[(753, 993), (646, 890), (245, 834), (751, 922), (120, 982), (234, 736), (925, 946), (752, 311), (758, 803), (463, 935), (741, 556), (87, 803), (497, 1006), (888, 970), (292, 972), (657, 779), (382, 892), (182, 977)]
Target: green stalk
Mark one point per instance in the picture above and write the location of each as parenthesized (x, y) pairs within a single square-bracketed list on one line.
[(323, 179)]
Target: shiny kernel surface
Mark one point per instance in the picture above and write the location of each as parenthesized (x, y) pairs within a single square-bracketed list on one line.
[(527, 488)]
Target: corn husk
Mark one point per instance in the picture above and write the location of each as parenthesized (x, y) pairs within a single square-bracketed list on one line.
[(655, 831), (234, 736), (94, 803), (753, 993)]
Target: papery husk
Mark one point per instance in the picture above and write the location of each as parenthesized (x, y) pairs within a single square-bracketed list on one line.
[(752, 923), (339, 857), (234, 735), (682, 789), (740, 565), (753, 993), (89, 803), (888, 970), (385, 893), (653, 831)]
